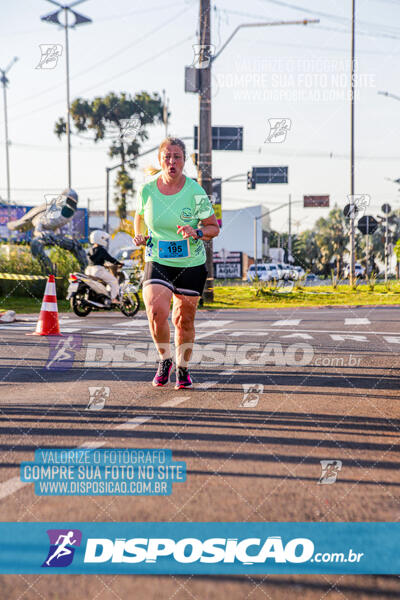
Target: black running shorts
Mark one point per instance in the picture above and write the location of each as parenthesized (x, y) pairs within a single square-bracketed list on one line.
[(183, 281)]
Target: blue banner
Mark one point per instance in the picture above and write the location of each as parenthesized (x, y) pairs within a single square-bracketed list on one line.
[(77, 228), (200, 548)]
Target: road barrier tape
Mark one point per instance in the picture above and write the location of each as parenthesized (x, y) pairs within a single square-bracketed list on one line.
[(17, 276)]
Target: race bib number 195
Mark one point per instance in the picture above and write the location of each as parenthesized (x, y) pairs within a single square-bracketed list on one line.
[(174, 249)]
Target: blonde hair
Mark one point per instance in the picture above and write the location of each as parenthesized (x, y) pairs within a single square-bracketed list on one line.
[(173, 141)]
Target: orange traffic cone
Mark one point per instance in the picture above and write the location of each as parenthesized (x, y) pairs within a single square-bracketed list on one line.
[(48, 318)]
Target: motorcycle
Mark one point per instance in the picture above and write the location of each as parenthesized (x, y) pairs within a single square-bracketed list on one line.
[(87, 293)]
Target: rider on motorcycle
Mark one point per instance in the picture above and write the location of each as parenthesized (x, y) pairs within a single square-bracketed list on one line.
[(97, 256)]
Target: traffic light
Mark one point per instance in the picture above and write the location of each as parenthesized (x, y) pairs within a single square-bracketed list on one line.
[(251, 182), (195, 158)]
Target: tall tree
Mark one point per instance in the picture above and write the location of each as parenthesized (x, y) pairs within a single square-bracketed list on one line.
[(332, 237), (306, 251), (123, 120)]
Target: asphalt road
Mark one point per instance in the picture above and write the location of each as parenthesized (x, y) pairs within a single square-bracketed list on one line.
[(275, 393)]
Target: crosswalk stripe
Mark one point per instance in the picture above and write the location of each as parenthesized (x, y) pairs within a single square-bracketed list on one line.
[(358, 321), (303, 336), (110, 332), (346, 336), (132, 323), (249, 332), (208, 334), (288, 322), (211, 323)]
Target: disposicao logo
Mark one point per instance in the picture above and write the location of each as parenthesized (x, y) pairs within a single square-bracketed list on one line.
[(191, 550), (62, 547)]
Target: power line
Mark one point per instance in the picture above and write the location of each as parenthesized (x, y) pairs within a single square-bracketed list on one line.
[(101, 62), (337, 18), (137, 66)]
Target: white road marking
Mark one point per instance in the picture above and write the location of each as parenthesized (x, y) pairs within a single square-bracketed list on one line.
[(175, 401), (17, 326), (133, 323), (69, 320), (208, 334), (249, 332), (206, 384), (354, 338), (392, 340), (69, 329), (93, 445), (133, 423), (303, 336), (288, 322), (110, 332), (211, 323), (333, 331), (359, 321), (10, 486)]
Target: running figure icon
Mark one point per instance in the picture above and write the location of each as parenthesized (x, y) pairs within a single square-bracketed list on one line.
[(63, 543), (62, 550)]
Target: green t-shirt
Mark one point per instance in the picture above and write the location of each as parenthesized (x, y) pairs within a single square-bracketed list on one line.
[(162, 215)]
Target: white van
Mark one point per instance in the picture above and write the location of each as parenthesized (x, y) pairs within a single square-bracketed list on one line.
[(265, 272)]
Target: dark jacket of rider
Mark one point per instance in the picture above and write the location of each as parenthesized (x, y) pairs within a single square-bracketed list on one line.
[(98, 255)]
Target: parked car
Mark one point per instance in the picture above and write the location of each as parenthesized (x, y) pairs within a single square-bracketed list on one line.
[(265, 272), (358, 270), (310, 277), (284, 270), (299, 272)]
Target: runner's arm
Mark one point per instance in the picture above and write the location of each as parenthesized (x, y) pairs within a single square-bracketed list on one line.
[(209, 227), (140, 226)]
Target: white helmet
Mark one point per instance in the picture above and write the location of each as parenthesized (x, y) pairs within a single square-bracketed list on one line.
[(99, 237)]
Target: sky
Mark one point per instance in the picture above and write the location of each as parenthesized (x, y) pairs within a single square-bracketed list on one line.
[(294, 72)]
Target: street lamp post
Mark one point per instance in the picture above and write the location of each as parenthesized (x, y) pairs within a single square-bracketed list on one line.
[(78, 20)]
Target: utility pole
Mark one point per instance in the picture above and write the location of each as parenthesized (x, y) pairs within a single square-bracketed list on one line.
[(290, 230), (205, 136), (386, 246), (255, 243), (352, 211)]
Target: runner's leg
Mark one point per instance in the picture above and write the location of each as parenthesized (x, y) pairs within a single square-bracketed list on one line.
[(183, 314), (157, 299)]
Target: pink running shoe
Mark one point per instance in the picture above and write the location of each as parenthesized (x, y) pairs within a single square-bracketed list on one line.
[(161, 378), (182, 378)]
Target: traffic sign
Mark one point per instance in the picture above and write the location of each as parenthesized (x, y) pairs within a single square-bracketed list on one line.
[(270, 175), (223, 138), (316, 201), (251, 182), (367, 224), (386, 208), (217, 199)]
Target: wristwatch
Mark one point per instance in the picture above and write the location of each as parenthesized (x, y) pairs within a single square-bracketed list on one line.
[(199, 233)]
